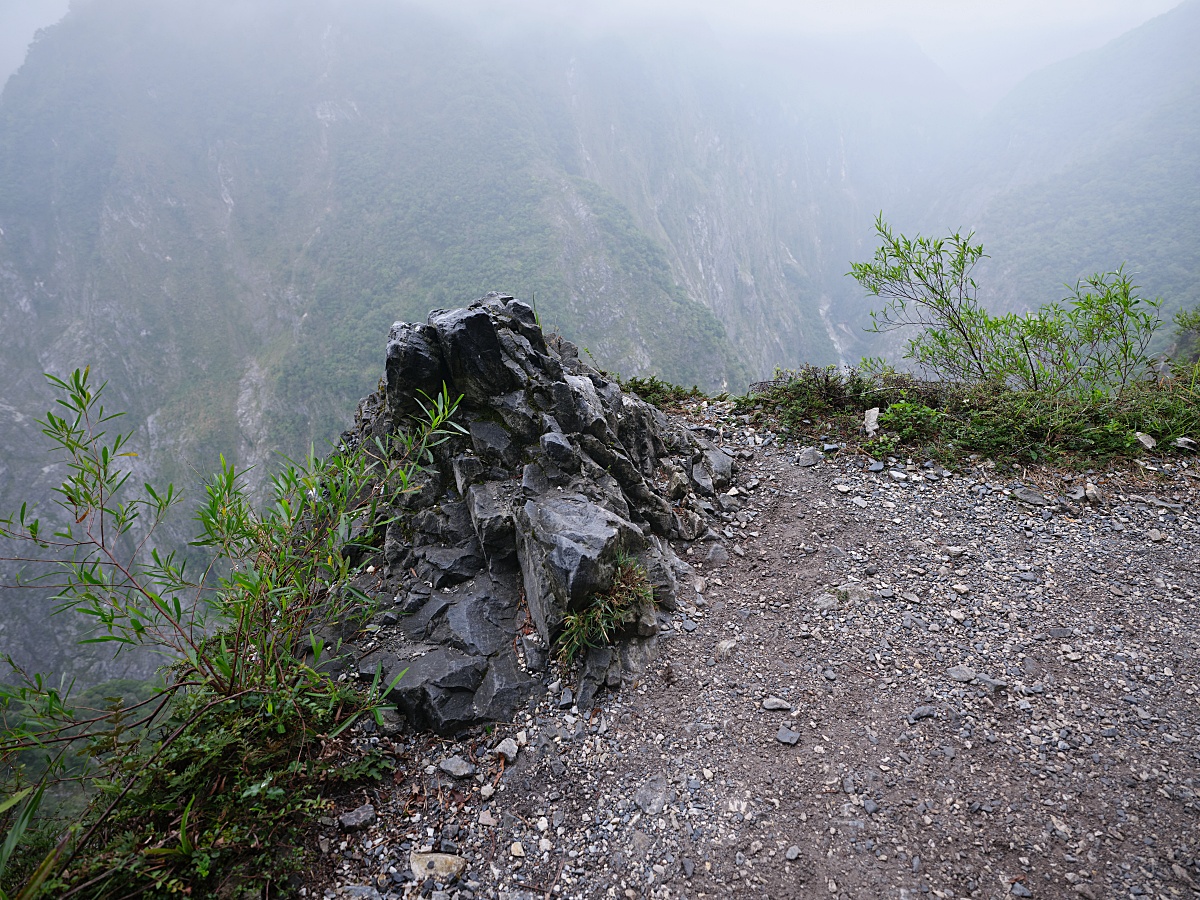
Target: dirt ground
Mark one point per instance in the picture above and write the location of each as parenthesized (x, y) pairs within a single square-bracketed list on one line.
[(883, 681)]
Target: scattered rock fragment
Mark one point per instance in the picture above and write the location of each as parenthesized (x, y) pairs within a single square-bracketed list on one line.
[(871, 421), (809, 456), (457, 767), (787, 736), (441, 867), (921, 712), (962, 674), (508, 749), (358, 819)]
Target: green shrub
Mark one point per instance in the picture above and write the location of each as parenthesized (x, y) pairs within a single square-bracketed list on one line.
[(1094, 341), (910, 421), (660, 393), (202, 786)]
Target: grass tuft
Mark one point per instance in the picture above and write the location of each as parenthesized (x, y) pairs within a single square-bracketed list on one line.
[(607, 613)]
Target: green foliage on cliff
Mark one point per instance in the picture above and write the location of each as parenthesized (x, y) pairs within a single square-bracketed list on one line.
[(1093, 344), (205, 784), (1070, 380)]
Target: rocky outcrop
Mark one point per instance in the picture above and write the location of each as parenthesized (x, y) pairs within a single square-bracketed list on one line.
[(522, 517)]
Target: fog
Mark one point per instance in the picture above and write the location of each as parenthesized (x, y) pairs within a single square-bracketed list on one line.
[(985, 47), (19, 22)]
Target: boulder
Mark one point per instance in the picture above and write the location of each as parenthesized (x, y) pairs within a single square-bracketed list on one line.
[(415, 367), (568, 548), (553, 474)]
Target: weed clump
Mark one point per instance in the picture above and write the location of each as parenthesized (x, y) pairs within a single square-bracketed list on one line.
[(951, 419), (608, 612), (659, 393)]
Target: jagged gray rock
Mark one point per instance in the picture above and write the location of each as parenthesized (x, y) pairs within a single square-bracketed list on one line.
[(557, 474)]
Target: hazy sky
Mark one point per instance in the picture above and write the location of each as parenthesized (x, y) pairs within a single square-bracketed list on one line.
[(985, 45)]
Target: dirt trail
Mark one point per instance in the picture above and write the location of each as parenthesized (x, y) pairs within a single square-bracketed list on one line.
[(900, 683)]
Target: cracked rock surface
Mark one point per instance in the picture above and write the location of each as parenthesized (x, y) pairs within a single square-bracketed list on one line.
[(519, 520)]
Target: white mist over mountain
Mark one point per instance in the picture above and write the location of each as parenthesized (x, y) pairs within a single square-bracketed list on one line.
[(19, 22), (985, 47)]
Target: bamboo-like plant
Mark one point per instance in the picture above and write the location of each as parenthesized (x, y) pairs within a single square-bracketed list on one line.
[(229, 744)]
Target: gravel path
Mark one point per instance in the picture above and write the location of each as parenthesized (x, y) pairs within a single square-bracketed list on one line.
[(892, 681)]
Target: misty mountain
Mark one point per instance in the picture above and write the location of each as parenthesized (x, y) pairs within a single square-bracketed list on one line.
[(1087, 164), (222, 209)]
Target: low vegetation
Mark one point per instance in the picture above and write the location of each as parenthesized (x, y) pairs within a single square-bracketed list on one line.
[(1071, 380), (943, 420), (663, 394), (608, 613), (202, 786)]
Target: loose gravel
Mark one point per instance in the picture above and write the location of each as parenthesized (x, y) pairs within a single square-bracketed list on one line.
[(886, 679)]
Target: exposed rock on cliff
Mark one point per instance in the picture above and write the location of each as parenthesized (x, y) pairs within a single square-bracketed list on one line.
[(523, 518)]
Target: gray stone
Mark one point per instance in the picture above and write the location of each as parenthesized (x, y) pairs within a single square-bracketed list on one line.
[(468, 624), (717, 555), (558, 450), (775, 703), (503, 690), (472, 352), (493, 444), (443, 868), (438, 689), (792, 853), (1030, 496), (1018, 889), (491, 517), (568, 547), (786, 735), (536, 656), (994, 684), (921, 712), (452, 565), (1145, 440), (720, 468), (508, 749), (457, 767), (358, 819), (414, 367), (651, 797), (809, 456), (596, 666), (962, 674), (825, 601)]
